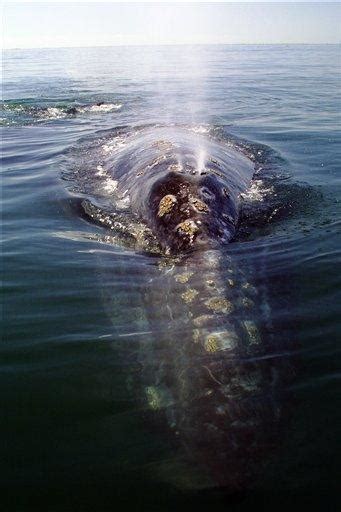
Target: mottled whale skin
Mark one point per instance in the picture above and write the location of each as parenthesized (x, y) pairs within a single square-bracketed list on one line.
[(186, 187), (205, 370)]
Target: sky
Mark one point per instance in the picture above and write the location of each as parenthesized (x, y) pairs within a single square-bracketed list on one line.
[(57, 24)]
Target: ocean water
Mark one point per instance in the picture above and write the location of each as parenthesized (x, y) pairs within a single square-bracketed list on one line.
[(84, 425)]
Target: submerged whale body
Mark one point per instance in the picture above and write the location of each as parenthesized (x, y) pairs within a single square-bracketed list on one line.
[(206, 371)]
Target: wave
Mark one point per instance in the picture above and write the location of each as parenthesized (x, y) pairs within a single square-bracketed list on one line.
[(27, 111)]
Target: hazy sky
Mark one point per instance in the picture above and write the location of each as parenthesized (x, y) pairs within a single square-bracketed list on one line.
[(51, 24)]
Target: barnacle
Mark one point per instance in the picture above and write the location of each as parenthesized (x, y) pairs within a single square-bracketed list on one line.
[(199, 205), (252, 332), (189, 295), (219, 304), (221, 340), (166, 205), (183, 278), (153, 397), (212, 343), (188, 227)]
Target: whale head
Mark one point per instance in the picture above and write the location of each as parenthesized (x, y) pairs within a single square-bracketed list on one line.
[(189, 213)]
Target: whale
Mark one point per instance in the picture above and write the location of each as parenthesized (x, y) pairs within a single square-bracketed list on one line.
[(177, 194), (185, 187)]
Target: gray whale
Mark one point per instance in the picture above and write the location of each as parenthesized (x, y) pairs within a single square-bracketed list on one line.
[(184, 186), (206, 371)]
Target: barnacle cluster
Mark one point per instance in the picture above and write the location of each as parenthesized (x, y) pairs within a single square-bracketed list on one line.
[(199, 205), (166, 205), (188, 227), (212, 343), (252, 332), (222, 340), (183, 278), (219, 305), (153, 398), (189, 295)]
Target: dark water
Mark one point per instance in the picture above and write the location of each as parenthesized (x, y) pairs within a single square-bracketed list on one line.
[(77, 431)]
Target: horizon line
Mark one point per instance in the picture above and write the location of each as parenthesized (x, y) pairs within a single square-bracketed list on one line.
[(165, 44)]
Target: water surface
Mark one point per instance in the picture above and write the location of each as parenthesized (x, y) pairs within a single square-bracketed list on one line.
[(76, 435)]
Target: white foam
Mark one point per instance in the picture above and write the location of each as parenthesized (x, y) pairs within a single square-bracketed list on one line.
[(105, 107), (200, 129), (53, 113), (256, 192), (113, 145)]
